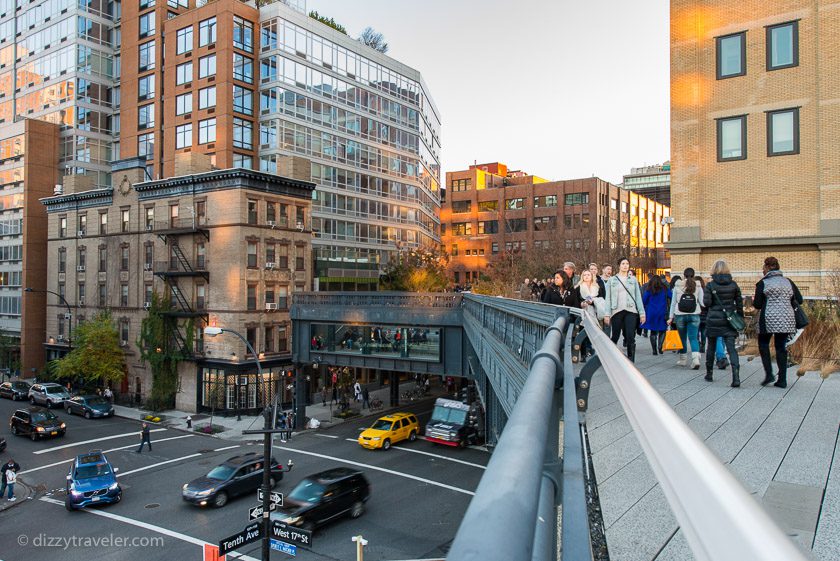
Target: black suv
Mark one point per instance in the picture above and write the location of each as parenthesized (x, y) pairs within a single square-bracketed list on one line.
[(17, 390), (238, 475), (37, 422), (323, 497)]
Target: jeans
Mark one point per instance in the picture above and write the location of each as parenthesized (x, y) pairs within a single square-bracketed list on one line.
[(729, 342), (688, 326), (625, 322), (720, 349), (11, 487)]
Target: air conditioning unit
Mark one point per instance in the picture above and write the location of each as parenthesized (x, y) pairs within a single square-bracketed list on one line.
[(269, 265), (81, 233), (300, 226), (60, 338), (123, 343), (147, 305), (270, 306), (148, 227), (147, 267), (81, 301), (270, 223), (81, 268)]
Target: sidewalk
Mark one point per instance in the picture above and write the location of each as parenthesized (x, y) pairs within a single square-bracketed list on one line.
[(233, 429), (23, 493)]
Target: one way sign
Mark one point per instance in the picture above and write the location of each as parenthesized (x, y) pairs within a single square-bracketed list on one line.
[(256, 512), (276, 498)]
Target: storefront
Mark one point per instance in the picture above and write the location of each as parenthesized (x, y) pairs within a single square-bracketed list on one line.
[(231, 389)]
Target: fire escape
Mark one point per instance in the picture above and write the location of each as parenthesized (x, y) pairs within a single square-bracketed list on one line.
[(179, 266)]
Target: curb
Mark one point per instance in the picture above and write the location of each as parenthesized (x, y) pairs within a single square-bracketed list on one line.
[(30, 494)]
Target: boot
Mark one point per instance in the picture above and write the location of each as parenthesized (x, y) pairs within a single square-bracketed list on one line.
[(631, 352), (736, 378), (682, 360), (695, 361), (654, 342), (781, 361), (708, 376), (723, 363), (768, 367)]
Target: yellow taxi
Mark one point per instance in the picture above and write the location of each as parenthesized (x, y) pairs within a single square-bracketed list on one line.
[(390, 429)]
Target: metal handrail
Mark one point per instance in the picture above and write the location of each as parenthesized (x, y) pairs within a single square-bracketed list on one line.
[(720, 519)]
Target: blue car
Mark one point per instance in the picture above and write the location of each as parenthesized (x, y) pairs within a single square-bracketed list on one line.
[(92, 480)]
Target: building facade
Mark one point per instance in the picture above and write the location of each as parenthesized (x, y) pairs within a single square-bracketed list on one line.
[(214, 246), (755, 167), (653, 182), (490, 211)]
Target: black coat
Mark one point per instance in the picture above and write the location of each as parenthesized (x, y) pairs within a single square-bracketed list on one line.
[(729, 295), (553, 295)]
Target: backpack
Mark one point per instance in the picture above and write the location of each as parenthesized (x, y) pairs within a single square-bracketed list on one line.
[(687, 303)]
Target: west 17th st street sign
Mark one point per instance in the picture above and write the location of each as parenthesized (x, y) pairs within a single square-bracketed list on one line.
[(283, 532), (250, 534)]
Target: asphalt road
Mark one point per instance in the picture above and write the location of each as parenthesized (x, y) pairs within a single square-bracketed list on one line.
[(419, 493)]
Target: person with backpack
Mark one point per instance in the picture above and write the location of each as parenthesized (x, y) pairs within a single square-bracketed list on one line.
[(685, 313), (722, 298)]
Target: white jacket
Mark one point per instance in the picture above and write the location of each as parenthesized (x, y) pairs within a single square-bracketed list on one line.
[(679, 290)]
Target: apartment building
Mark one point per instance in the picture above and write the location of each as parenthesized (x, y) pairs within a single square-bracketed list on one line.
[(490, 211), (755, 155), (222, 246)]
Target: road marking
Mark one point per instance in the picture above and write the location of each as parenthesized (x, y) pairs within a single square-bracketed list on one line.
[(152, 527), (63, 446), (328, 436), (105, 451), (479, 466), (144, 468), (377, 468), (226, 448)]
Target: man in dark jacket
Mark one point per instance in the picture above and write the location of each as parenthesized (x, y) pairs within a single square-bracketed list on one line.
[(722, 298), (561, 292), (10, 465)]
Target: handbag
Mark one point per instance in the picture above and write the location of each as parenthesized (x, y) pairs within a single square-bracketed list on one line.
[(800, 316), (600, 307), (672, 341), (736, 322)]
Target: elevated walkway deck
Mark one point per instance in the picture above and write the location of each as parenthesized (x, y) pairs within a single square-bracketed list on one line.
[(782, 444)]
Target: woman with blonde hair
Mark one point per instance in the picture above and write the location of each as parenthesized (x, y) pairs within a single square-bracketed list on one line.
[(722, 299)]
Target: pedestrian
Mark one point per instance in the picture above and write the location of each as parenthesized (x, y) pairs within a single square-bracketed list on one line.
[(625, 308), (365, 397), (11, 465), (11, 477), (685, 314), (145, 436), (357, 391), (109, 395), (774, 298), (589, 294), (655, 300), (602, 289), (324, 396), (569, 268), (722, 298), (334, 395), (561, 292), (720, 348)]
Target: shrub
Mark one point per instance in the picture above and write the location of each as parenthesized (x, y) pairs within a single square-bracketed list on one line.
[(347, 413), (209, 429)]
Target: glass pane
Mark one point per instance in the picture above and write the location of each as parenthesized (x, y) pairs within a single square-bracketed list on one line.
[(730, 55), (782, 132), (730, 139), (781, 46)]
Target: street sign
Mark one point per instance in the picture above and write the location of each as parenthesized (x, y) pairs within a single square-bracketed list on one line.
[(284, 547), (299, 536), (256, 512), (250, 534), (275, 497)]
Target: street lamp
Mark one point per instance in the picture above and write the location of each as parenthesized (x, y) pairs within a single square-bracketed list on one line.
[(69, 313)]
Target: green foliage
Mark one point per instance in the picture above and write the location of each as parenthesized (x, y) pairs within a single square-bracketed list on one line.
[(328, 21), (159, 347), (416, 270), (9, 352), (96, 358)]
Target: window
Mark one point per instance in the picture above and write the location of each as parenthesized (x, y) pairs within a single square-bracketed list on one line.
[(207, 32), (572, 199), (614, 204), (146, 87), (462, 229), (271, 214), (62, 227), (124, 296), (461, 185), (207, 131), (269, 339), (270, 253), (82, 224), (207, 66), (183, 136), (454, 251), (283, 257), (732, 138), (124, 258), (201, 212), (146, 145), (243, 161), (150, 217), (124, 325), (184, 40), (488, 206), (148, 256), (207, 97), (783, 45), (243, 68), (103, 295), (146, 116), (103, 223), (494, 248), (243, 100), (252, 255), (243, 133), (174, 210), (183, 73), (251, 297), (548, 201), (459, 207), (515, 204), (731, 55), (125, 216), (488, 227), (81, 294), (282, 340), (783, 132), (243, 34), (252, 212), (543, 223), (183, 104), (516, 225), (103, 260), (300, 264), (146, 55), (82, 257)]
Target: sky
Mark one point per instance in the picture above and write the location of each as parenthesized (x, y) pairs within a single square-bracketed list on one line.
[(561, 89)]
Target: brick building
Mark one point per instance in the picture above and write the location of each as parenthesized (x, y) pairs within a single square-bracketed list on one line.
[(755, 156), (490, 210), (223, 246)]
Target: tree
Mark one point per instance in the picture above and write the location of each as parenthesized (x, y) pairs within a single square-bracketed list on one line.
[(328, 21), (373, 39), (9, 354), (416, 270), (96, 358)]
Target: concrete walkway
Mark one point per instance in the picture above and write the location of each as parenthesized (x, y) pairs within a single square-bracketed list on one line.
[(781, 444)]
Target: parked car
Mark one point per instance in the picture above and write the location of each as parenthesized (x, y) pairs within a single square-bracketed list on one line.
[(236, 476), (17, 390), (89, 406), (390, 429), (36, 422), (48, 394), (92, 480), (323, 497)]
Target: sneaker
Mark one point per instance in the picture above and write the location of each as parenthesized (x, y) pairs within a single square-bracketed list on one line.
[(682, 360), (13, 499)]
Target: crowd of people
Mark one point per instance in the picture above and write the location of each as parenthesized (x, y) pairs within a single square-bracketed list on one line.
[(707, 313)]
